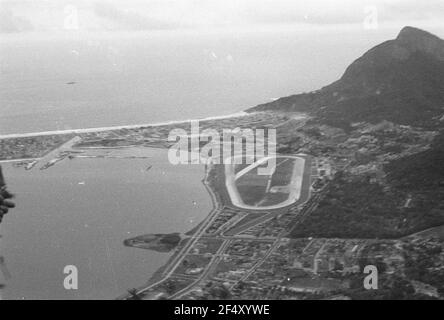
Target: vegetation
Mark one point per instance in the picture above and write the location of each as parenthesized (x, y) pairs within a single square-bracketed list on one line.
[(356, 209), (156, 242), (422, 171), (360, 209), (380, 85), (390, 288), (423, 263)]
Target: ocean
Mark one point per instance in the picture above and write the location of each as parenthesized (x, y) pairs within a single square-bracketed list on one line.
[(83, 81)]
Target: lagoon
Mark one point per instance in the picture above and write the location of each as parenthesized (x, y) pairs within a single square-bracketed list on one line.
[(80, 211)]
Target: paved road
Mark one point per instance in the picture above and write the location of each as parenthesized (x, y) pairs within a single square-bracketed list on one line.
[(177, 260), (210, 267)]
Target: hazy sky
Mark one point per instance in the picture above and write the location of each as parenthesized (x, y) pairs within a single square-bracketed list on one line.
[(123, 15)]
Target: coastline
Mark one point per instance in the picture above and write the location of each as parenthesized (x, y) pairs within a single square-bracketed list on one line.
[(131, 126), (165, 271)]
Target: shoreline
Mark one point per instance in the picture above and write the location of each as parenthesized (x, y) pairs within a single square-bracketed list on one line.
[(159, 275), (131, 126)]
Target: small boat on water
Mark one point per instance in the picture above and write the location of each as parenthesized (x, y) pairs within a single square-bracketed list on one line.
[(148, 168)]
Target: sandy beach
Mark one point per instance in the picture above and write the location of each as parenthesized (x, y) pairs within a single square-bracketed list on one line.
[(133, 126)]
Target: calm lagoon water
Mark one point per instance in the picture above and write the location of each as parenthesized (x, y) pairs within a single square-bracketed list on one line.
[(79, 211)]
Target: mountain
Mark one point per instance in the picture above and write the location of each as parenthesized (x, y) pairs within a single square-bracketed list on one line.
[(400, 80)]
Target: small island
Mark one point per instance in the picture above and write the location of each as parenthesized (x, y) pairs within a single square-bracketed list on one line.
[(155, 242)]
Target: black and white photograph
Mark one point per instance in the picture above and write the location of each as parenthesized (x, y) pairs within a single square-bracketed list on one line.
[(222, 155)]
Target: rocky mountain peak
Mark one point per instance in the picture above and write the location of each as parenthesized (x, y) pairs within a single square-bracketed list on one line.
[(416, 39), (400, 80)]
